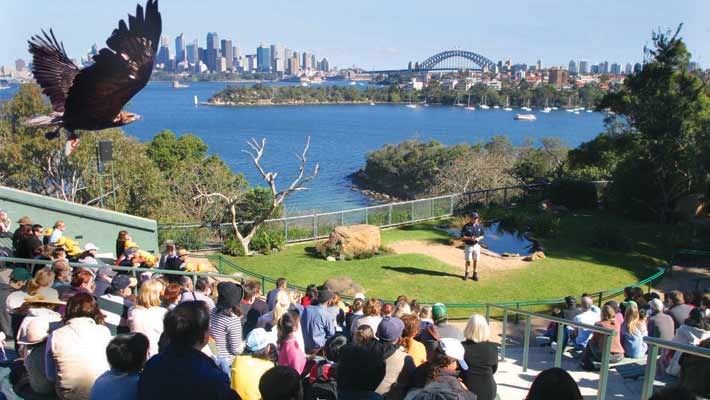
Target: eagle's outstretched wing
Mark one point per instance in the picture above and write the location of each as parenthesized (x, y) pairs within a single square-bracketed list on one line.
[(119, 72), (52, 68)]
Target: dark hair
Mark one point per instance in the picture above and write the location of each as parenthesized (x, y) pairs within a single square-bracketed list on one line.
[(202, 283), (332, 347), (570, 301), (696, 319), (675, 392), (280, 282), (172, 293), (36, 227), (287, 325), (186, 325), (81, 277), (358, 304), (363, 334), (429, 371), (359, 369), (676, 296), (128, 352), (312, 291), (554, 383), (281, 383), (268, 353), (252, 319), (83, 305)]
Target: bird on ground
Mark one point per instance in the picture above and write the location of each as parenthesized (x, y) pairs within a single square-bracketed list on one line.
[(93, 98)]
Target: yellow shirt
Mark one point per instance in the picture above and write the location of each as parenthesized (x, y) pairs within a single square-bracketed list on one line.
[(418, 352), (246, 373)]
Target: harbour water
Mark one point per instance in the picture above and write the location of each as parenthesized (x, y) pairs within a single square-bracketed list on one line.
[(341, 135)]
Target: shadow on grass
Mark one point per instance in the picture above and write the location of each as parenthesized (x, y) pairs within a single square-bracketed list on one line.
[(419, 271)]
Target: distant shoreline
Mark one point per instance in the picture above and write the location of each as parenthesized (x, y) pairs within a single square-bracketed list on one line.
[(292, 103)]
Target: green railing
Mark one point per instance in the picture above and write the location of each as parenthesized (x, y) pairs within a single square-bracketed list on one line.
[(654, 344), (561, 324)]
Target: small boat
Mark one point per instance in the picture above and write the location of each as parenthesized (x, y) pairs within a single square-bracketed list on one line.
[(469, 107), (372, 103), (555, 108), (507, 104), (525, 117), (589, 111), (483, 105), (527, 107), (353, 83), (196, 102), (178, 85), (496, 107), (576, 113), (457, 103), (546, 109), (411, 105)]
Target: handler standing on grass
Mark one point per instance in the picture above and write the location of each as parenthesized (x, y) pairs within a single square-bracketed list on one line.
[(471, 234)]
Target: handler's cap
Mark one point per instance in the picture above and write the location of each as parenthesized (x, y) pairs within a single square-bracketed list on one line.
[(474, 215)]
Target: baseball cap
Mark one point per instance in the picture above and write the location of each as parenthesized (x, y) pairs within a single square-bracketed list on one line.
[(258, 339), (454, 349), (20, 274), (474, 215), (438, 312), (120, 282), (359, 295), (390, 329), (107, 271), (90, 246)]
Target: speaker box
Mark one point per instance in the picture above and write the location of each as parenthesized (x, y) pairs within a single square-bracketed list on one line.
[(105, 150)]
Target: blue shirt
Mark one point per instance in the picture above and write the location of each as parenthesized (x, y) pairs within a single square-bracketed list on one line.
[(271, 298), (471, 230), (317, 325), (114, 385)]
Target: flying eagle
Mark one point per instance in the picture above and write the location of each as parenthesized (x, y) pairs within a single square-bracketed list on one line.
[(92, 98)]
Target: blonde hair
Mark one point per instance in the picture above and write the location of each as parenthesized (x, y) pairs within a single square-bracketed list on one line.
[(632, 320), (477, 329), (295, 296), (43, 278), (402, 309), (283, 301), (149, 295), (425, 312)]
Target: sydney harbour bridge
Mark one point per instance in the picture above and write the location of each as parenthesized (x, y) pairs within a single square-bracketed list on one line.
[(450, 60)]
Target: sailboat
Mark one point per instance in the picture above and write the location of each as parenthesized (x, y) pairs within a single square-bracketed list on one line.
[(569, 105), (468, 104), (507, 104), (410, 104), (457, 103), (546, 109), (483, 105), (196, 102)]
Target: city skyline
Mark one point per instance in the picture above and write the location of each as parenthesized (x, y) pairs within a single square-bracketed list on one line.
[(371, 35)]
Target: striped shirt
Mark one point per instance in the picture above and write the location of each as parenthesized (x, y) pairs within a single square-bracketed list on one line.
[(116, 310), (227, 334)]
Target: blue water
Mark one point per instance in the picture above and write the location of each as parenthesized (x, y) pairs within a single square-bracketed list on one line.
[(502, 241), (341, 135)]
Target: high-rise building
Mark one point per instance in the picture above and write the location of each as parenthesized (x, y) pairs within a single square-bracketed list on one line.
[(539, 65), (323, 65), (20, 65), (163, 56), (263, 58), (212, 51), (693, 66), (594, 69), (572, 67), (202, 55), (251, 64), (277, 53), (583, 67), (180, 54), (638, 67), (615, 68), (306, 63), (557, 77), (628, 69), (604, 67), (192, 52), (228, 54)]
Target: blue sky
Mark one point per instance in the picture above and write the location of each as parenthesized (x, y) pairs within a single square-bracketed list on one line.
[(382, 33)]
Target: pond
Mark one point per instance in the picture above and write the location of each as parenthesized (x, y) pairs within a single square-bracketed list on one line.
[(501, 241)]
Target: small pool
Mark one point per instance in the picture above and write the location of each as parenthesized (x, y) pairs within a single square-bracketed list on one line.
[(502, 241)]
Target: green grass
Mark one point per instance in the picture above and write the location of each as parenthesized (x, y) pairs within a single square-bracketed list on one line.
[(572, 266)]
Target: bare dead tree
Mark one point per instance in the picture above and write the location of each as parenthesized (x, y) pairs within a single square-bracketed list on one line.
[(277, 196)]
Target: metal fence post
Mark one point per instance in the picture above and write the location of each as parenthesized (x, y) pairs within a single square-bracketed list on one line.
[(517, 316), (649, 374), (431, 208), (451, 206), (604, 372), (560, 344), (286, 230), (315, 226), (412, 216), (504, 336), (263, 283), (367, 215), (389, 215), (526, 342), (488, 314)]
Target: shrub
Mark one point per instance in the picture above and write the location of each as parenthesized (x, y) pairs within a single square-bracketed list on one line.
[(190, 238), (232, 246), (545, 225), (611, 238), (266, 239), (514, 222), (574, 194)]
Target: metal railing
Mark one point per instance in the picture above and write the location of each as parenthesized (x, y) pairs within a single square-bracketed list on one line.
[(310, 227), (561, 324), (654, 344)]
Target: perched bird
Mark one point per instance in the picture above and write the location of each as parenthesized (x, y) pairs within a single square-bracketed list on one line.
[(92, 98)]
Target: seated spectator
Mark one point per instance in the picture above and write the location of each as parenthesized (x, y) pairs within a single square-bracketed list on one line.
[(399, 364), (281, 284), (270, 320), (660, 324), (311, 295), (675, 392), (317, 323), (168, 255), (619, 315), (554, 383), (290, 353), (104, 276), (251, 300), (371, 316), (695, 329), (281, 383), (571, 310), (363, 335), (440, 391), (202, 292), (694, 372), (441, 329), (593, 350), (337, 310), (587, 316), (70, 246), (121, 243), (76, 353), (632, 332), (412, 346), (19, 279), (359, 373), (115, 304), (677, 308), (57, 232), (24, 224), (42, 305), (44, 278), (88, 256), (225, 322), (551, 331), (5, 222), (62, 275), (259, 356), (171, 295), (59, 254), (34, 339), (355, 314), (146, 316), (82, 281), (182, 370), (177, 264), (126, 354), (481, 356), (320, 379), (425, 320), (443, 371), (30, 241), (401, 309)]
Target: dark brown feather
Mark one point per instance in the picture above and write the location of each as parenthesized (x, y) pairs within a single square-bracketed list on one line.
[(52, 68), (119, 72)]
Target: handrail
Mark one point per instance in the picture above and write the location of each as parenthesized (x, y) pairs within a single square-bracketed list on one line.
[(561, 323), (649, 374)]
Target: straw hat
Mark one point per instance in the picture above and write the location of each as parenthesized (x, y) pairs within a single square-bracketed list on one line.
[(182, 252), (36, 332), (45, 295), (25, 221)]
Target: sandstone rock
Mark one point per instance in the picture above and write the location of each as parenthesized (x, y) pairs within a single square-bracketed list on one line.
[(538, 255), (330, 258), (510, 255), (357, 239)]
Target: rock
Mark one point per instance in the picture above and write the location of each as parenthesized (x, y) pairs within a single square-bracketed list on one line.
[(356, 239), (275, 250), (510, 255), (330, 258), (343, 285), (538, 255)]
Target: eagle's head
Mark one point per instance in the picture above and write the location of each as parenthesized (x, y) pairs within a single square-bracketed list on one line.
[(125, 118)]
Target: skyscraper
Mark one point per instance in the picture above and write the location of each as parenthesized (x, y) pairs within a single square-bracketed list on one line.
[(180, 54), (228, 54), (163, 56), (192, 50), (604, 67), (557, 77), (212, 51), (583, 67), (615, 68), (263, 58), (572, 67), (628, 69), (638, 67), (539, 64)]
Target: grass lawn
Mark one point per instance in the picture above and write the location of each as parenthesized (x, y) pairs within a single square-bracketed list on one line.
[(572, 266)]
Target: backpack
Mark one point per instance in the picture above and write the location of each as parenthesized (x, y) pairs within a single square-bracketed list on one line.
[(319, 383)]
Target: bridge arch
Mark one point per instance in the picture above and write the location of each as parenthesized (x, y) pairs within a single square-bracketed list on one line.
[(432, 62)]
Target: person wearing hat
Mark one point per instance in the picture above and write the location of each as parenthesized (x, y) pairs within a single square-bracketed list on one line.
[(17, 235), (399, 366), (471, 234), (260, 355), (317, 322), (441, 375), (43, 305), (104, 276), (89, 254), (115, 303), (225, 322), (34, 340), (660, 324), (19, 279)]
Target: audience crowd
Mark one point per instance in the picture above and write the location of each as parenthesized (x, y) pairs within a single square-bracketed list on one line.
[(98, 333)]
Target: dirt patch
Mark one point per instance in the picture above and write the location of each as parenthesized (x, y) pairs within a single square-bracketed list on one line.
[(489, 264)]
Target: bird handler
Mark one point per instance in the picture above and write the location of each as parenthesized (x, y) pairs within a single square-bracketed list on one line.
[(471, 234)]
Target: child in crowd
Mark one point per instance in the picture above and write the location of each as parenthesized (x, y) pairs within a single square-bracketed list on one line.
[(126, 355)]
